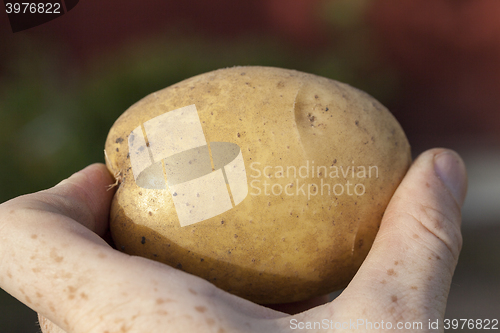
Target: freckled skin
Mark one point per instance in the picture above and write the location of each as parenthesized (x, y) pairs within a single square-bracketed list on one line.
[(122, 290), (163, 300), (200, 309), (54, 255)]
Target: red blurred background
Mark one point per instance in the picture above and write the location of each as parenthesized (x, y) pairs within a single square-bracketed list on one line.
[(446, 52)]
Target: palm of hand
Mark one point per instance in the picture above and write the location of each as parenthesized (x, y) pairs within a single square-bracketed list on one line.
[(56, 261)]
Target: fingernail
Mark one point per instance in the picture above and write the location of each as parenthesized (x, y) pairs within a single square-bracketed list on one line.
[(450, 168)]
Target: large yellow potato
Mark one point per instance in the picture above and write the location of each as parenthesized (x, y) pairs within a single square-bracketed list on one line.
[(269, 183)]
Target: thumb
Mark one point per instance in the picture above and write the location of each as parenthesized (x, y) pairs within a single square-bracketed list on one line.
[(45, 253), (91, 188), (408, 272), (85, 197)]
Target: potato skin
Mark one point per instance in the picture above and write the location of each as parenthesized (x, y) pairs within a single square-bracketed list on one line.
[(269, 248)]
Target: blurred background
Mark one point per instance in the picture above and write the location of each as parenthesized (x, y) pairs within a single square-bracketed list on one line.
[(434, 63)]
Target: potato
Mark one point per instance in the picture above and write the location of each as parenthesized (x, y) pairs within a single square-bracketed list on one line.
[(269, 183)]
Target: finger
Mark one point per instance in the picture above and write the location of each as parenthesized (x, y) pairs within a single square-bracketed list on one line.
[(85, 197), (408, 271), (46, 326), (37, 229)]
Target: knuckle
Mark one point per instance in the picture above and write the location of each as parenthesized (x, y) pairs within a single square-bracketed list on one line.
[(442, 226)]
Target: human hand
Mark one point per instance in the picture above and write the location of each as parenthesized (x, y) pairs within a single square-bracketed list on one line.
[(53, 258)]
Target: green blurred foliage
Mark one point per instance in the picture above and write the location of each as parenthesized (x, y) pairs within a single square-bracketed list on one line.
[(54, 119)]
